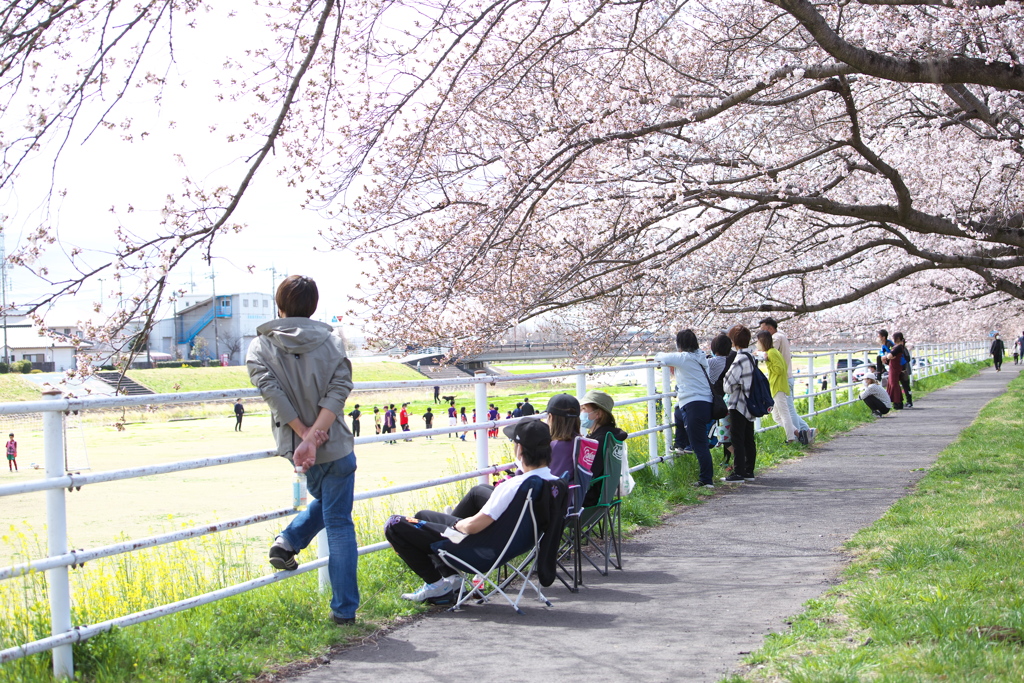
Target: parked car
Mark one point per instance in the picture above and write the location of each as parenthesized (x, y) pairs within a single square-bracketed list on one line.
[(841, 363), (864, 370)]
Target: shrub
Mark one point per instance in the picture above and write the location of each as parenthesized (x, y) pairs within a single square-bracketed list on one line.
[(22, 366), (4, 368), (35, 371), (178, 364)]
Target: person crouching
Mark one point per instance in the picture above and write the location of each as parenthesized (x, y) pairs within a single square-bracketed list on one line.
[(875, 397), (411, 537)]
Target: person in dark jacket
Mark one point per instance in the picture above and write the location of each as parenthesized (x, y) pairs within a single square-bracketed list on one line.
[(996, 351), (596, 417), (239, 412), (527, 408)]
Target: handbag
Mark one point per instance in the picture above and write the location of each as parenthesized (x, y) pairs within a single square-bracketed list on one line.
[(718, 407)]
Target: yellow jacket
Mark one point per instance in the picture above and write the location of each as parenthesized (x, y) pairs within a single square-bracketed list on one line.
[(778, 381)]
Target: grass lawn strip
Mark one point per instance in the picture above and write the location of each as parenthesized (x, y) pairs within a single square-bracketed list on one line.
[(936, 591)]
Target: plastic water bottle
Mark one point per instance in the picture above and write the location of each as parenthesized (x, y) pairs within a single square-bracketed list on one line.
[(299, 494)]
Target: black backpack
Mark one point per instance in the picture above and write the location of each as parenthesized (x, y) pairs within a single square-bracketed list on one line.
[(759, 400)]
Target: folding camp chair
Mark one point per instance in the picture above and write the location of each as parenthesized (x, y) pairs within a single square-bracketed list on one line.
[(600, 525), (569, 563), (513, 541)]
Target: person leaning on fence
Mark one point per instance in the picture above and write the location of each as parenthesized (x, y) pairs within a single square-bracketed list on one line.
[(737, 386), (719, 363), (564, 422), (895, 360), (875, 397), (906, 367), (411, 537), (693, 400), (778, 385), (303, 373), (596, 417), (805, 433)]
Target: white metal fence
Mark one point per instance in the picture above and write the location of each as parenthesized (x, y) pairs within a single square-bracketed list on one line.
[(932, 359)]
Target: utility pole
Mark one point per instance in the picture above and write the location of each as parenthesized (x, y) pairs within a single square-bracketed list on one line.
[(216, 340), (3, 290), (274, 272)]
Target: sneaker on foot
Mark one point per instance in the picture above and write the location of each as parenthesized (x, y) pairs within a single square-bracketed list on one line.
[(732, 479), (282, 559), (876, 413), (703, 484), (801, 436), (429, 592), (749, 478), (812, 434), (343, 621)]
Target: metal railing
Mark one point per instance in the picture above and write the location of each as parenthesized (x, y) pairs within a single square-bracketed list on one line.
[(936, 358)]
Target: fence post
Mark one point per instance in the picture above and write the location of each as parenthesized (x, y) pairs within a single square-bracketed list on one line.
[(810, 385), (57, 537), (666, 407), (834, 377), (481, 434), (652, 415), (581, 382), (323, 550), (849, 377)]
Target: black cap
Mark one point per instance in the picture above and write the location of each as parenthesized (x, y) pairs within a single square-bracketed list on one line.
[(532, 434), (563, 405)]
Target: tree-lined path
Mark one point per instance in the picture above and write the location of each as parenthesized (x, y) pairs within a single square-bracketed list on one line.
[(703, 589)]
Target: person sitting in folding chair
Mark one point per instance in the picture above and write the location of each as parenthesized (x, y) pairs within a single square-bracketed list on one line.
[(412, 537)]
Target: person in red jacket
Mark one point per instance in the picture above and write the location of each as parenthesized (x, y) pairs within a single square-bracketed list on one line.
[(403, 418)]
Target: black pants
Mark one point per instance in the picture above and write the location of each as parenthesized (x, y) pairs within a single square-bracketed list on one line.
[(875, 404), (905, 383), (998, 361), (355, 427), (473, 501), (412, 541), (744, 448), (238, 423)]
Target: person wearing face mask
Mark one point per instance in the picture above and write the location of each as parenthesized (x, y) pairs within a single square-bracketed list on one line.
[(412, 537), (597, 420)]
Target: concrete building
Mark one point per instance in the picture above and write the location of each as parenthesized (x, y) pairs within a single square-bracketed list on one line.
[(25, 341), (200, 329)]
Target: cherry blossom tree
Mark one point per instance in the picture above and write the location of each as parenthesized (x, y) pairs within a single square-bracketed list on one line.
[(608, 167)]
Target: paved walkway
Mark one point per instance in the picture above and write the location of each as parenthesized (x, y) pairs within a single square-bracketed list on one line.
[(700, 591)]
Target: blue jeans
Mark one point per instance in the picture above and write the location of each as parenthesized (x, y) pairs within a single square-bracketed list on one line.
[(332, 485), (798, 422), (696, 416)]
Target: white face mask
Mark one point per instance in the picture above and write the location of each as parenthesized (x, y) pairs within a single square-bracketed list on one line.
[(519, 458), (586, 422)]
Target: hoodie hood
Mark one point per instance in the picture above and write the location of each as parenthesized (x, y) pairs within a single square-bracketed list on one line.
[(296, 335)]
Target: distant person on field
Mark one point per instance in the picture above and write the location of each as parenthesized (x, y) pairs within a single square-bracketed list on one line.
[(518, 412), (453, 418), (875, 397), (437, 394), (780, 341), (355, 420), (403, 418), (465, 420), (303, 373), (12, 454), (239, 412), (428, 421), (527, 408), (996, 351), (376, 419)]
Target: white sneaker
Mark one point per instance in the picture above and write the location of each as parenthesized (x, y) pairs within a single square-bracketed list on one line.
[(454, 582), (812, 433), (426, 592)]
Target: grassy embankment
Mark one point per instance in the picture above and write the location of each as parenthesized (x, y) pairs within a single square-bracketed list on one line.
[(935, 592), (240, 637)]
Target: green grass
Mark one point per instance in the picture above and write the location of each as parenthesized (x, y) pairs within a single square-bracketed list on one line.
[(239, 638), (936, 592), (170, 380), (14, 387)]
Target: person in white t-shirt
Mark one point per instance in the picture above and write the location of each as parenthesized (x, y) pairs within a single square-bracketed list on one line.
[(411, 537)]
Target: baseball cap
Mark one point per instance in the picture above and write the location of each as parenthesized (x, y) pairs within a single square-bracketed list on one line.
[(599, 399), (533, 435), (563, 405)]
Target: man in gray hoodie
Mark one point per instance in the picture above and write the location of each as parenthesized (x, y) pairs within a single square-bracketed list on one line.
[(302, 371)]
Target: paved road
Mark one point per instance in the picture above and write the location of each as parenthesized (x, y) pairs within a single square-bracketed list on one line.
[(700, 591)]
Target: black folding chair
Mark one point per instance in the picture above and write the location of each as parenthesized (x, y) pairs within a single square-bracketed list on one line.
[(512, 542)]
